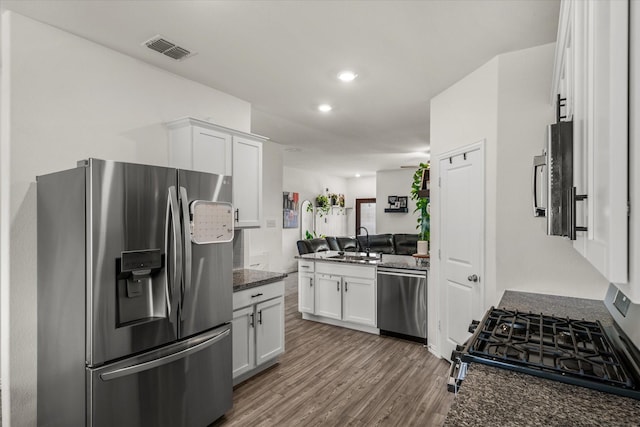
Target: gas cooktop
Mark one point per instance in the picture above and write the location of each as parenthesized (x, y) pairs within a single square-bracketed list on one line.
[(573, 351)]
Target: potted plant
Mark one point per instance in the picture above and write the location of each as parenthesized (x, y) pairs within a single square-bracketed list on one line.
[(422, 206), (322, 203)]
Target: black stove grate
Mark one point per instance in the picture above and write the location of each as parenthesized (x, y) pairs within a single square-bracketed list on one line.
[(568, 350)]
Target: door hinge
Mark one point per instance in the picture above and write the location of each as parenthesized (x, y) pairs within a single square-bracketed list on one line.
[(439, 254), (439, 181), (439, 326)]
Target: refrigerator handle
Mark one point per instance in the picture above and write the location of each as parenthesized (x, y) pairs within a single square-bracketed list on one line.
[(176, 259), (186, 221), (130, 370)]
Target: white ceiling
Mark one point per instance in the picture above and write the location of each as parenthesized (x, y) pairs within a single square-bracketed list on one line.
[(283, 57)]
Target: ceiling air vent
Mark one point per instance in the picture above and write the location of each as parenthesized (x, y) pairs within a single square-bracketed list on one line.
[(162, 45)]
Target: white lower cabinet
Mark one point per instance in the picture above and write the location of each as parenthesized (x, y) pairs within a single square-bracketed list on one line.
[(258, 329), (328, 296), (306, 291), (269, 329), (340, 294), (243, 341), (359, 300), (306, 297)]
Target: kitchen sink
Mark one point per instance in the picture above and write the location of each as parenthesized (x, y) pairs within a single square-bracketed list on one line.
[(357, 257)]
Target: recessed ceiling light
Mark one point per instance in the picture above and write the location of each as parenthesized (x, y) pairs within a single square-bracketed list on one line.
[(347, 76), (357, 175), (325, 108)]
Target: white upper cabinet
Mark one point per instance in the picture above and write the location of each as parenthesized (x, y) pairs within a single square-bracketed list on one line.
[(199, 145), (247, 181), (591, 72)]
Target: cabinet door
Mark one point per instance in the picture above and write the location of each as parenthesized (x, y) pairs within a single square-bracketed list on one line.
[(247, 181), (196, 145), (600, 42), (328, 296), (269, 329), (211, 151), (305, 293), (243, 338), (359, 300)]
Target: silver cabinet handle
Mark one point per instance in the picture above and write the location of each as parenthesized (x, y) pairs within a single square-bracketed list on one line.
[(187, 245), (346, 286), (130, 370), (260, 317), (538, 162), (338, 286), (310, 283), (473, 278), (305, 266), (251, 324)]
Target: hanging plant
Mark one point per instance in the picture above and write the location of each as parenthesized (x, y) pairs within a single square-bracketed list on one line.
[(322, 203), (422, 203)]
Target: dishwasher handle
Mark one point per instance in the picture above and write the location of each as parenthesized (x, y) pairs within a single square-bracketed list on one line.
[(401, 273)]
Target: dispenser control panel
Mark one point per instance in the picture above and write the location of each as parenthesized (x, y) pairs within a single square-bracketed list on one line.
[(140, 260)]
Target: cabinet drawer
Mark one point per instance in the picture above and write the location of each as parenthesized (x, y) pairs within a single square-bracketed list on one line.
[(365, 272), (305, 266), (257, 294)]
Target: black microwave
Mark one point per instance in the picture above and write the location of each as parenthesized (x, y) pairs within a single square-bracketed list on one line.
[(554, 195)]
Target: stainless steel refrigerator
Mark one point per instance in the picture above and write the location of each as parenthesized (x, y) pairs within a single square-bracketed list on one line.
[(134, 296)]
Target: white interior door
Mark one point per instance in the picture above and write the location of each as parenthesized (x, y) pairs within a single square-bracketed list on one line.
[(461, 243)]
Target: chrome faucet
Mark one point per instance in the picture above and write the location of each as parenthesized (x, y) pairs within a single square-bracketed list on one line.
[(367, 249)]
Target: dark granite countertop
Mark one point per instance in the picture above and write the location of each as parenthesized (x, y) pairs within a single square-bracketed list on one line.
[(494, 396), (406, 262), (246, 279)]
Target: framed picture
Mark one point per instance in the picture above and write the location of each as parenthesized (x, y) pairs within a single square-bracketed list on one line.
[(290, 209), (392, 199), (402, 201)]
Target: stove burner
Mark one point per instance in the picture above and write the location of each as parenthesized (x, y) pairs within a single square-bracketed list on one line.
[(513, 328), (582, 367)]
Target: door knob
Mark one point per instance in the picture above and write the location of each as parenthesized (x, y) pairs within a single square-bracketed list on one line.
[(473, 278)]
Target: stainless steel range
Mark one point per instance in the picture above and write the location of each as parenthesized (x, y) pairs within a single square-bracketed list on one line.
[(573, 351)]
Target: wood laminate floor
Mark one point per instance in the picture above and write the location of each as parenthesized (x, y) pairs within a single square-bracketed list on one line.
[(331, 376)]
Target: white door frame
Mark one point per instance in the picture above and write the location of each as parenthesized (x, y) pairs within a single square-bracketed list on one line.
[(479, 145)]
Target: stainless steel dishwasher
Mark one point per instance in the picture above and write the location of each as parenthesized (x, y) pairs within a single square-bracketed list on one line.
[(402, 303)]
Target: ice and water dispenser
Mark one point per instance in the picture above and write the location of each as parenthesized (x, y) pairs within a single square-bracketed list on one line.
[(141, 288), (141, 283)]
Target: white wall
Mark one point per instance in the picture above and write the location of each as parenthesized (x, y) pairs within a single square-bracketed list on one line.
[(505, 103), (527, 259), (634, 150), (395, 183), (309, 184), (263, 246), (70, 99), (463, 114)]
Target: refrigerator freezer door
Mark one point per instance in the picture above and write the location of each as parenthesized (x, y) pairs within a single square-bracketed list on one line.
[(141, 391), (131, 217), (207, 284)]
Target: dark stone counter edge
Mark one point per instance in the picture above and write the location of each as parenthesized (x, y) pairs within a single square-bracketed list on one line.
[(371, 264), (252, 283)]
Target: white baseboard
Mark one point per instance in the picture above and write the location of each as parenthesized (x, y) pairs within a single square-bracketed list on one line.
[(334, 322)]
